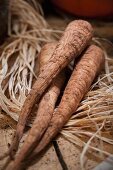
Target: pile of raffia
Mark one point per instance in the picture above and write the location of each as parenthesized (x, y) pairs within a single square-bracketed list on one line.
[(28, 31)]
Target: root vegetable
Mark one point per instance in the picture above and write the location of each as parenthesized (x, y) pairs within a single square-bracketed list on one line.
[(81, 79), (46, 105), (74, 40)]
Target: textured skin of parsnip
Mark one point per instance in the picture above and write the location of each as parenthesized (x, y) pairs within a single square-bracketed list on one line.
[(76, 37)]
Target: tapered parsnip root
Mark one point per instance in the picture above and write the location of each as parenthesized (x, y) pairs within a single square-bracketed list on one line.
[(79, 83), (46, 105), (74, 40)]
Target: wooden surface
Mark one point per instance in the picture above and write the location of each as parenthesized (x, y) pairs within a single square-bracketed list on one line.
[(49, 160)]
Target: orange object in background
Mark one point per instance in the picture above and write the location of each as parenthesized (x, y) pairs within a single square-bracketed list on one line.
[(86, 8)]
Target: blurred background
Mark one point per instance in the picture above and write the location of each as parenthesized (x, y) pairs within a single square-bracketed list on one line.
[(99, 13), (86, 8)]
